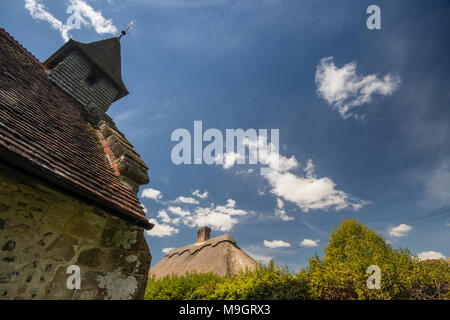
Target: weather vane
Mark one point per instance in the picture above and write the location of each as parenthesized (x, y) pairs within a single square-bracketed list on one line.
[(124, 31)]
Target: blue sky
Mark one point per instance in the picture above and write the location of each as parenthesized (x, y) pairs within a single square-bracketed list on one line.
[(372, 121)]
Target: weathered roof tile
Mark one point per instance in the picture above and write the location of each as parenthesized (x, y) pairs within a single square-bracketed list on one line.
[(45, 132)]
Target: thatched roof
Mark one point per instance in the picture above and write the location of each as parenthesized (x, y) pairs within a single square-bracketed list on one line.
[(220, 255)]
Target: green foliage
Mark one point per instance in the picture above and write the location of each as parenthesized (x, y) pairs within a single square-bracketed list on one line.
[(352, 248), (340, 274), (264, 283), (191, 286)]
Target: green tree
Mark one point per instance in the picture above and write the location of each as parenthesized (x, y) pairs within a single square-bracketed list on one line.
[(352, 248)]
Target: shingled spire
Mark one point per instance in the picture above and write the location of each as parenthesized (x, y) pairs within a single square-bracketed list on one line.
[(89, 72)]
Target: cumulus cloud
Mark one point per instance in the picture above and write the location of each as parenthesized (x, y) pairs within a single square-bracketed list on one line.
[(310, 192), (281, 212), (162, 214), (77, 9), (430, 255), (344, 89), (161, 230), (220, 217), (167, 250), (200, 195), (308, 243), (188, 200), (307, 191), (400, 231), (151, 194), (179, 211), (276, 244), (214, 219), (144, 209), (228, 160)]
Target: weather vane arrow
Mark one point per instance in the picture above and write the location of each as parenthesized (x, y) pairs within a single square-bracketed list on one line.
[(124, 31)]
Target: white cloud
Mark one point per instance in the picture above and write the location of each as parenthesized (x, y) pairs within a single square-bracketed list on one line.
[(220, 217), (85, 14), (343, 89), (179, 211), (188, 200), (430, 255), (38, 12), (308, 243), (260, 257), (447, 224), (281, 212), (151, 194), (200, 195), (400, 231), (96, 19), (162, 214), (307, 192), (144, 209), (230, 159), (161, 230), (311, 193), (276, 244), (230, 209), (167, 250)]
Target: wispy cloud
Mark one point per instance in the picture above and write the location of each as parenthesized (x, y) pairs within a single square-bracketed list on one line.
[(344, 89), (200, 195), (437, 185), (281, 212), (79, 13)]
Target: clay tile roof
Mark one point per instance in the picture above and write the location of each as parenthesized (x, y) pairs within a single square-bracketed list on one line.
[(220, 255), (105, 54), (44, 132)]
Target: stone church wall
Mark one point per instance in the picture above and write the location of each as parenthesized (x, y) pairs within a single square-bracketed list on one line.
[(43, 231)]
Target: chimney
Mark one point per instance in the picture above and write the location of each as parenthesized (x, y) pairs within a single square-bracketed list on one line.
[(203, 234)]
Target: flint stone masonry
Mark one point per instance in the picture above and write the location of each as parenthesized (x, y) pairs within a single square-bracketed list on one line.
[(43, 231)]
